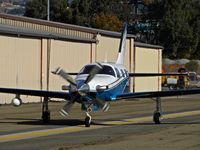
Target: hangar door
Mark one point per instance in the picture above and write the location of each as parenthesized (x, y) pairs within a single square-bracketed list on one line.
[(20, 65), (107, 50), (147, 60), (71, 56)]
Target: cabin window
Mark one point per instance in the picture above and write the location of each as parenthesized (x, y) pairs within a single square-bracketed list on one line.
[(126, 72), (106, 70), (123, 74), (86, 69), (117, 71)]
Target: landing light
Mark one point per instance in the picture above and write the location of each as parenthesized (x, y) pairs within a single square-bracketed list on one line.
[(16, 102)]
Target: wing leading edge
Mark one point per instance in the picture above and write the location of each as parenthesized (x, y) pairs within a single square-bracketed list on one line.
[(157, 94), (41, 93), (156, 74)]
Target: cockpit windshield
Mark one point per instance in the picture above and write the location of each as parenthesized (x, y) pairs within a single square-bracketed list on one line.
[(106, 70)]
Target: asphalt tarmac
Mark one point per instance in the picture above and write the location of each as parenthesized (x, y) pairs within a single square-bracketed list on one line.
[(127, 125)]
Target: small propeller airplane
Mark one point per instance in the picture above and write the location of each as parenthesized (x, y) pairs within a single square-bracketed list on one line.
[(95, 86)]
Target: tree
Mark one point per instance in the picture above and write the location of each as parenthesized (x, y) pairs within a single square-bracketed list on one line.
[(178, 29), (107, 14), (59, 10), (192, 66), (107, 22), (81, 12), (36, 9), (92, 13)]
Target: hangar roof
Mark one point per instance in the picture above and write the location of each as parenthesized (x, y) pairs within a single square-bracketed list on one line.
[(24, 26), (139, 44), (19, 25)]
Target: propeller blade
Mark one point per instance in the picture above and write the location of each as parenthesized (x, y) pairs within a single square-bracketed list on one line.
[(66, 108), (103, 105), (84, 89), (96, 69), (64, 75)]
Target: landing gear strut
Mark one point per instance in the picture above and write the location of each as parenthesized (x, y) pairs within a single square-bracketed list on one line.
[(45, 111), (88, 118), (158, 112)]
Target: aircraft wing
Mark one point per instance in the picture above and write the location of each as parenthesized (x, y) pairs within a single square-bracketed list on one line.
[(41, 93), (156, 74), (157, 94)]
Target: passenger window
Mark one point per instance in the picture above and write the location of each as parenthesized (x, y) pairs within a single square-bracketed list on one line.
[(126, 72)]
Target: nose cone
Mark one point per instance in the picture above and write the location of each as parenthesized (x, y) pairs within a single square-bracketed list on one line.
[(84, 88), (80, 83)]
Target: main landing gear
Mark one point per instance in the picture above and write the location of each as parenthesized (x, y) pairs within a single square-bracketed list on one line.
[(158, 112), (45, 111)]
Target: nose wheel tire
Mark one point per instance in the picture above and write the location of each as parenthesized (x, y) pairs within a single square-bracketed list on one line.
[(87, 121), (156, 117)]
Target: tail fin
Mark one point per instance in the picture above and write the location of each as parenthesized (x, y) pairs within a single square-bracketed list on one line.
[(122, 46)]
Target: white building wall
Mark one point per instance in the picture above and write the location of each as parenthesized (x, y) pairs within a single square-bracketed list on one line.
[(147, 61), (20, 64)]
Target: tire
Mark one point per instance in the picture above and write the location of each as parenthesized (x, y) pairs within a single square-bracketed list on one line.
[(87, 121), (156, 118)]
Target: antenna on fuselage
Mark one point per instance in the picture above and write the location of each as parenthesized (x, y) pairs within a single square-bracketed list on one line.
[(122, 46)]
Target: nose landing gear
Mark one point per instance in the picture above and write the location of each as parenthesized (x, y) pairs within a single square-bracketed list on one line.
[(88, 118)]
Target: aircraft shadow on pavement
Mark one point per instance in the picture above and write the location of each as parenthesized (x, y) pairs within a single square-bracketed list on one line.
[(60, 122), (76, 122)]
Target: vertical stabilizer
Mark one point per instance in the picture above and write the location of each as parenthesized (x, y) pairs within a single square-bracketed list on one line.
[(122, 46)]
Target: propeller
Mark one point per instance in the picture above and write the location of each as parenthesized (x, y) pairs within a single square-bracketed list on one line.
[(81, 91), (64, 75), (66, 108), (102, 104), (95, 70)]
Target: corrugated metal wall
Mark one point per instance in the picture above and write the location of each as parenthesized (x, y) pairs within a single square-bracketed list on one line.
[(71, 56), (147, 61), (27, 63), (45, 26), (19, 63)]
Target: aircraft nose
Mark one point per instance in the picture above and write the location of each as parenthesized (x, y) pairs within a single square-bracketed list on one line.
[(85, 88)]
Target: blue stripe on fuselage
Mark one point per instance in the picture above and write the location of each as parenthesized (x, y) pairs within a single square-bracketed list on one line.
[(111, 93)]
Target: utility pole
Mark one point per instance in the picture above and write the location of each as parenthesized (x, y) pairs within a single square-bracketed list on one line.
[(48, 10)]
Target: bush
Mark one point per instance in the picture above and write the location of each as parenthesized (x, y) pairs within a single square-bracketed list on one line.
[(192, 66)]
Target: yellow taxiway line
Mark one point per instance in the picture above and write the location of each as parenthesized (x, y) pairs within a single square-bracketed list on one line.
[(47, 132)]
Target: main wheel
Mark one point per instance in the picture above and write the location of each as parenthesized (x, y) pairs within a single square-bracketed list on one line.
[(87, 121), (156, 118), (46, 116)]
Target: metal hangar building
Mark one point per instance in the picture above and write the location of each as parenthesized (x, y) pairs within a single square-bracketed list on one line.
[(31, 48)]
